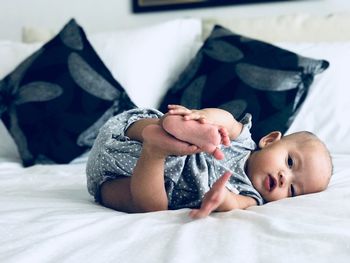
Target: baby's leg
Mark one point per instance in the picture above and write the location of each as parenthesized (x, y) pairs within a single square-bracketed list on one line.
[(145, 191), (147, 181), (206, 136)]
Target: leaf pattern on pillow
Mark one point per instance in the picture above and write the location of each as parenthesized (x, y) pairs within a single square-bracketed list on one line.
[(19, 137), (246, 75), (236, 107), (267, 79), (38, 91), (220, 32), (28, 93), (92, 82), (300, 96), (89, 80), (71, 36), (3, 106), (87, 137), (186, 77), (310, 67), (12, 94), (17, 75), (192, 96), (223, 51)]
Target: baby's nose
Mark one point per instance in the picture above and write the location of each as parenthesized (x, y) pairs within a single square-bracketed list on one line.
[(281, 179)]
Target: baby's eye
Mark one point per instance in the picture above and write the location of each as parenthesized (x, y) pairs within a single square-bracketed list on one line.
[(292, 191), (290, 162)]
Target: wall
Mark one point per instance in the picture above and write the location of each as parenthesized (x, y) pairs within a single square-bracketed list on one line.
[(97, 15)]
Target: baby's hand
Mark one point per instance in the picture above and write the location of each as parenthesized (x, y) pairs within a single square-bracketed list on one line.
[(213, 198), (187, 113)]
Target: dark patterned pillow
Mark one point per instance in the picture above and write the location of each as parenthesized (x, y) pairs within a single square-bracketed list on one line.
[(55, 101), (243, 75)]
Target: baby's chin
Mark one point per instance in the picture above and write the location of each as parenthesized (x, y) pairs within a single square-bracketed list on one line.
[(271, 198), (268, 198), (266, 195)]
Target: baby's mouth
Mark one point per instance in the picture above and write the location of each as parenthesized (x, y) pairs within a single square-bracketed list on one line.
[(270, 183)]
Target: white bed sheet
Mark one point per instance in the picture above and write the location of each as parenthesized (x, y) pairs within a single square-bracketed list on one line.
[(46, 214)]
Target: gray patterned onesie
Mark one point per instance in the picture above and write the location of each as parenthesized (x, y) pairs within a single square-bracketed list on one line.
[(187, 178)]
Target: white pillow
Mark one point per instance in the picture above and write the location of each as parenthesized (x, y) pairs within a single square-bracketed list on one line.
[(326, 109), (13, 53), (146, 61)]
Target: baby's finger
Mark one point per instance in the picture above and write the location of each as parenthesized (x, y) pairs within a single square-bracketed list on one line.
[(180, 111), (176, 107), (204, 211), (195, 214), (225, 139), (193, 116), (222, 180)]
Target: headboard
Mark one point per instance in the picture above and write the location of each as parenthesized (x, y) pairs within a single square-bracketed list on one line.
[(288, 28)]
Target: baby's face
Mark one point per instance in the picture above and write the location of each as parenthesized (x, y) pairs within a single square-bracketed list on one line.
[(283, 168)]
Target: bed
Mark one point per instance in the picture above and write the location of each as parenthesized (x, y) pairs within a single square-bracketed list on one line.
[(47, 215)]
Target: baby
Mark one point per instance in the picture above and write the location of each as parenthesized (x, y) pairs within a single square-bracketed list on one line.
[(204, 159)]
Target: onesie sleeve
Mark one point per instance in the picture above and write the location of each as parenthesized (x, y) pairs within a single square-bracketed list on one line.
[(236, 157), (245, 137)]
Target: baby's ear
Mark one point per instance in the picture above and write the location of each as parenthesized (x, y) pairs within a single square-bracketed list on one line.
[(270, 138)]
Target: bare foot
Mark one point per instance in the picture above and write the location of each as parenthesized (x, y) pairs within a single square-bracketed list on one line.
[(156, 137), (206, 136)]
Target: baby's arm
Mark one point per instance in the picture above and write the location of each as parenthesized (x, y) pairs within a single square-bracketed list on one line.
[(214, 116), (219, 199)]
